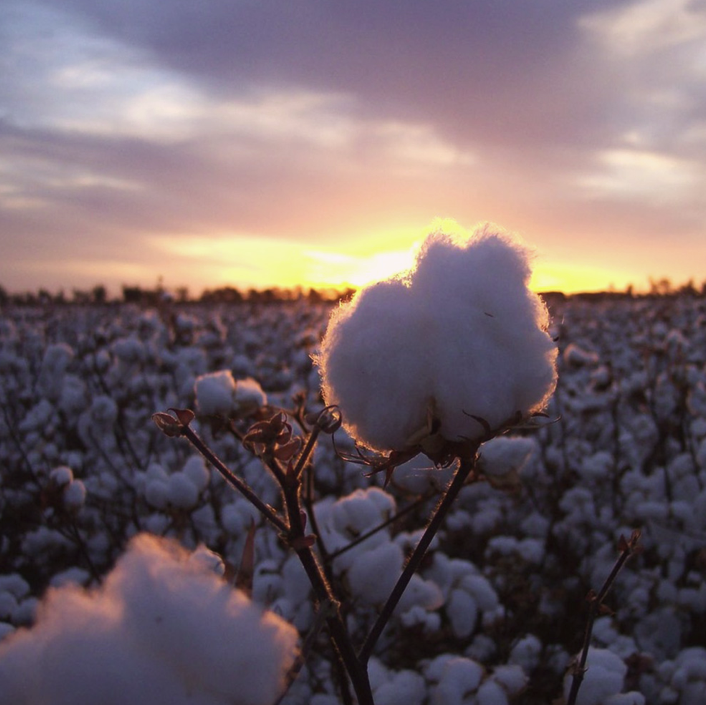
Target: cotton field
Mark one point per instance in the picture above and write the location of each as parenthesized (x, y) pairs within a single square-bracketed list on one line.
[(495, 615)]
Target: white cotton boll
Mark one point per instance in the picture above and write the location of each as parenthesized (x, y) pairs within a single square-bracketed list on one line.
[(295, 582), (15, 584), (195, 469), (154, 632), (462, 611), (461, 335), (457, 678), (74, 495), (482, 591), (421, 593), (505, 454), (417, 616), (512, 678), (404, 688), (526, 652), (8, 604), (491, 693), (361, 510), (604, 677), (73, 395), (598, 466), (249, 397), (419, 476), (575, 356), (181, 491), (70, 576), (51, 376), (374, 573), (61, 476), (215, 393), (157, 494), (207, 560)]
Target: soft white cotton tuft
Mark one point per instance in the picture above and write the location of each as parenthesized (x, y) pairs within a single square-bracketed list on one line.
[(217, 393), (163, 629), (604, 677), (460, 335)]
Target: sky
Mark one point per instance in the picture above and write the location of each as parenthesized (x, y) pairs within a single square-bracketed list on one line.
[(261, 143)]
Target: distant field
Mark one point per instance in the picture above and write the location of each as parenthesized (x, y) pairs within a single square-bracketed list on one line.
[(623, 447)]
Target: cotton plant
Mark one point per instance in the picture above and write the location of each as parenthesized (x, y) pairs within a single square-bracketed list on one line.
[(435, 358), (433, 362)]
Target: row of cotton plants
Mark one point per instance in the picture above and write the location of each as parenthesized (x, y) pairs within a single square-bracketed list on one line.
[(497, 610)]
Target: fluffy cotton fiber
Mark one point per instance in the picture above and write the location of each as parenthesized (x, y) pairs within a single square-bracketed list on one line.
[(459, 335), (163, 630)]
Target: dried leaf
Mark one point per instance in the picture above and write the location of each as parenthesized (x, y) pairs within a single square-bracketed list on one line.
[(167, 424), (246, 571)]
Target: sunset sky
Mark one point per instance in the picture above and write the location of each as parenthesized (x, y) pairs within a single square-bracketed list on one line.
[(282, 142)]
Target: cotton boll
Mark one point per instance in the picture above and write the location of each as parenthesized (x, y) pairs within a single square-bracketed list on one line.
[(513, 679), (604, 677), (491, 693), (51, 376), (157, 493), (249, 397), (74, 495), (61, 476), (403, 688), (419, 476), (462, 612), (15, 584), (215, 393), (575, 356), (8, 604), (154, 632), (206, 559), (526, 652), (504, 455), (460, 336), (421, 593), (456, 676), (195, 469), (373, 574), (361, 510), (181, 491)]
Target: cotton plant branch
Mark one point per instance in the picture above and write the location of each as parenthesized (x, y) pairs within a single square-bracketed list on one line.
[(178, 425), (273, 442), (464, 471), (628, 547)]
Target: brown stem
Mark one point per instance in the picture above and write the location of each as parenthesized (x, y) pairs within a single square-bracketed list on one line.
[(357, 670), (629, 547), (235, 482), (465, 468)]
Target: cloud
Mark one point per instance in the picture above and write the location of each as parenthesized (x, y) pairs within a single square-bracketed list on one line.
[(321, 124)]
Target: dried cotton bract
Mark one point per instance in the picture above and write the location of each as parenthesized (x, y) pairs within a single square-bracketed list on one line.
[(417, 356)]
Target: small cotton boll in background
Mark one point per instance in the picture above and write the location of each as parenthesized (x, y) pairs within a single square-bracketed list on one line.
[(504, 455), (74, 495), (218, 394), (162, 629), (215, 392), (61, 476), (459, 335), (604, 677), (249, 397)]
